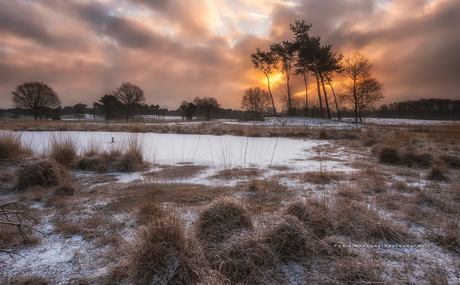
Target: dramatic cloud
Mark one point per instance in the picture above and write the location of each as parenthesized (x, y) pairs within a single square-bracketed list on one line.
[(176, 50)]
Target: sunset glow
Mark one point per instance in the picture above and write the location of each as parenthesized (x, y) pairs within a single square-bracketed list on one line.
[(177, 50)]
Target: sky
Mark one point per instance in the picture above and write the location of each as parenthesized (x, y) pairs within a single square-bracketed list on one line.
[(177, 50)]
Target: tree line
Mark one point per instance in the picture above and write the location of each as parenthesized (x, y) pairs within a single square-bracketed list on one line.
[(127, 102), (305, 55)]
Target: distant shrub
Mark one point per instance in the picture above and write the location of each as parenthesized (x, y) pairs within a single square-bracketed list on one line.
[(222, 219), (163, 255), (389, 155), (37, 172)]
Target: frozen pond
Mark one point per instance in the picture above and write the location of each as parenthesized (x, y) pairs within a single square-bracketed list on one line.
[(226, 151)]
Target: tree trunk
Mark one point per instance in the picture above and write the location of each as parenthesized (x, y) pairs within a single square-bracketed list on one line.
[(335, 98), (271, 96), (288, 93), (306, 93), (325, 97), (319, 91), (355, 98)]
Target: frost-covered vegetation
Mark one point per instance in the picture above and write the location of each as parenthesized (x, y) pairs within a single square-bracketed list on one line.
[(292, 202)]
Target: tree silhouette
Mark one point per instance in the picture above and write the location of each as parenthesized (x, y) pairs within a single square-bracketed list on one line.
[(35, 97), (110, 107), (308, 48), (187, 110), (255, 101), (79, 110), (131, 96), (267, 63), (207, 106), (361, 89), (286, 51)]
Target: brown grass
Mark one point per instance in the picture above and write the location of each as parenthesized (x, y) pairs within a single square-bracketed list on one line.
[(62, 149), (164, 255), (289, 240), (220, 220), (321, 177), (11, 146), (389, 155), (177, 172), (26, 279), (64, 190), (437, 173), (451, 161), (245, 259), (37, 172)]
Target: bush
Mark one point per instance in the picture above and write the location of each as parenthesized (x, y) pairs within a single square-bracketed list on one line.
[(164, 255), (389, 155), (37, 171), (289, 240), (220, 220)]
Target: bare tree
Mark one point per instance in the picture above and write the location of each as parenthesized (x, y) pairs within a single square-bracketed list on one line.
[(357, 69), (370, 90), (267, 63), (207, 106), (34, 97), (131, 96), (255, 101)]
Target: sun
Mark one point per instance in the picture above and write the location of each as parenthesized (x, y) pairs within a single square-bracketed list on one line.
[(274, 79)]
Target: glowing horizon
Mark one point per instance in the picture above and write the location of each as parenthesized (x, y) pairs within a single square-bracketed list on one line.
[(177, 50)]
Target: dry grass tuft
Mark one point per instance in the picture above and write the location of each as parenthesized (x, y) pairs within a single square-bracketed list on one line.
[(37, 172), (64, 190), (314, 214), (164, 255), (320, 177), (423, 160), (451, 161), (244, 259), (389, 155), (220, 220), (437, 173), (62, 149), (323, 135), (130, 161), (289, 240), (11, 145)]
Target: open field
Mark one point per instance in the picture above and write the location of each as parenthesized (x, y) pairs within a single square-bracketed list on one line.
[(285, 201)]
